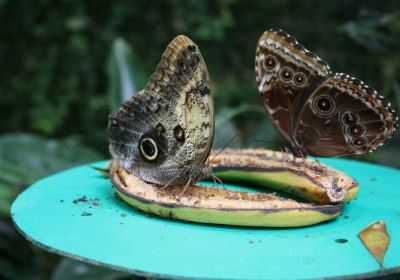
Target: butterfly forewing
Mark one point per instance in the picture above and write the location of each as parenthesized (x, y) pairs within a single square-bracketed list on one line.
[(168, 126), (286, 74), (182, 75)]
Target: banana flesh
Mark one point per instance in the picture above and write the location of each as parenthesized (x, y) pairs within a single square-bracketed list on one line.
[(218, 206), (309, 179)]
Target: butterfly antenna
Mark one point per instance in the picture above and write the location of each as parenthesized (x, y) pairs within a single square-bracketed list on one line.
[(273, 135), (225, 146)]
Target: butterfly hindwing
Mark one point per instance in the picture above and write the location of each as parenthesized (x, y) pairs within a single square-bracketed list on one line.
[(167, 128), (344, 116)]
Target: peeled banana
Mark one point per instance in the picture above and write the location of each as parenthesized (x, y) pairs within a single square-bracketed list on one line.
[(308, 179)]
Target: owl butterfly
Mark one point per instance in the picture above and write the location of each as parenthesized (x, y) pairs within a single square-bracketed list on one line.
[(164, 133), (317, 112)]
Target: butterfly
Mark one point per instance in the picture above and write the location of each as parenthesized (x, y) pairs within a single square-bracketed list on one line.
[(317, 112), (164, 133)]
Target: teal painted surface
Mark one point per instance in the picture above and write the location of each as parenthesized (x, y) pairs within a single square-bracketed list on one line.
[(105, 230)]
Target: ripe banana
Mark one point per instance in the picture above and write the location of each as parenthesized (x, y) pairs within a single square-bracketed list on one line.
[(218, 206), (309, 179)]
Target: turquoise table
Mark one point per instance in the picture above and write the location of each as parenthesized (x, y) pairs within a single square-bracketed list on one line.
[(76, 214)]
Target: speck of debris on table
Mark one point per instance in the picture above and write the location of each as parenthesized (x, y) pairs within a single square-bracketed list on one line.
[(341, 240), (85, 214), (84, 199)]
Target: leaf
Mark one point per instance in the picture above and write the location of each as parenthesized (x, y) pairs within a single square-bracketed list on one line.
[(376, 238), (368, 31), (34, 156), (226, 128), (388, 154), (266, 136), (125, 77), (224, 134), (16, 255), (25, 158), (103, 171), (396, 89), (71, 269), (227, 114), (7, 195)]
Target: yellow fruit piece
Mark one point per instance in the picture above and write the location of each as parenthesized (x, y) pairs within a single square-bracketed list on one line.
[(305, 178), (218, 206), (377, 239)]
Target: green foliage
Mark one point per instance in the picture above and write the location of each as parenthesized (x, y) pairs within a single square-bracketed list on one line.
[(124, 81), (25, 158), (64, 67), (68, 269), (56, 57)]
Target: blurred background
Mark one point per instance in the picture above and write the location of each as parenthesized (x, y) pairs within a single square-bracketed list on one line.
[(65, 65)]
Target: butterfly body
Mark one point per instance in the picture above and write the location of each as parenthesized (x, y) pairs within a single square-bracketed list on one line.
[(164, 133), (317, 112)]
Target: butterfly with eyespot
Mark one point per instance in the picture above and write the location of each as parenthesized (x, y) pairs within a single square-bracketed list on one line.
[(318, 113), (164, 133)]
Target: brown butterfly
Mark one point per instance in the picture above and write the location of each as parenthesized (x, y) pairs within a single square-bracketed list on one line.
[(318, 113), (164, 133)]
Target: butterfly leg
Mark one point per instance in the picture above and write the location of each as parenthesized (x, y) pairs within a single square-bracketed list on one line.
[(304, 163), (319, 165), (283, 158), (287, 155), (189, 182), (215, 179)]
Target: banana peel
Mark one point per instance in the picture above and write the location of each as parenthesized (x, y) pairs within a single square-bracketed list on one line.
[(228, 207), (306, 178), (326, 187)]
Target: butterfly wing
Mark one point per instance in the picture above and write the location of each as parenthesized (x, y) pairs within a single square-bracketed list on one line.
[(286, 75), (169, 126), (182, 70), (344, 116)]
